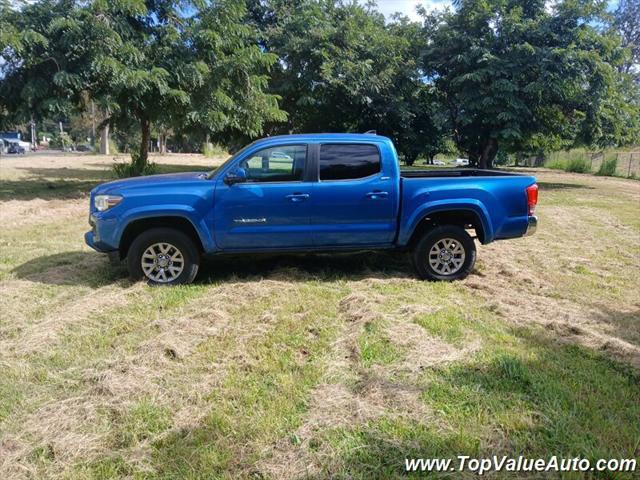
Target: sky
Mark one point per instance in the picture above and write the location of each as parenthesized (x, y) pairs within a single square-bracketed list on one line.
[(408, 7)]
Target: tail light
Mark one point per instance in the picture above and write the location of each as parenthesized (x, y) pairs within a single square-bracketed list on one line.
[(532, 198)]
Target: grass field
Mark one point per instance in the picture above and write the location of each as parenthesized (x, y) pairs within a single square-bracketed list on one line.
[(313, 366)]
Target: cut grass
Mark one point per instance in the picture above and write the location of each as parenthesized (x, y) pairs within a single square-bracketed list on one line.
[(524, 395), (376, 348), (314, 366), (448, 324)]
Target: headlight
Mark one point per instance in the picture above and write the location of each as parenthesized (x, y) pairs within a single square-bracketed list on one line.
[(105, 202)]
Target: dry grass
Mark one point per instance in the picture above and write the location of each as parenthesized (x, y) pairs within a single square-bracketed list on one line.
[(312, 366)]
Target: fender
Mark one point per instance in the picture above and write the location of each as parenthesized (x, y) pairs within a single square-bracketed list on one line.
[(169, 210), (429, 208)]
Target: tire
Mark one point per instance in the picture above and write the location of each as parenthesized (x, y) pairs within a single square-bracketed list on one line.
[(164, 249), (446, 242)]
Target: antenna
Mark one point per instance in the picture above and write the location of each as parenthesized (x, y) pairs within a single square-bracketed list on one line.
[(370, 132)]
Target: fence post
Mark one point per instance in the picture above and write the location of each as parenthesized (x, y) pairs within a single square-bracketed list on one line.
[(630, 160)]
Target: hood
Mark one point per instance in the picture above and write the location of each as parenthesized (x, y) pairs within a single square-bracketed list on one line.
[(150, 181)]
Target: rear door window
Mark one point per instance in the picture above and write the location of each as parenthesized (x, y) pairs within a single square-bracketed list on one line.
[(348, 161)]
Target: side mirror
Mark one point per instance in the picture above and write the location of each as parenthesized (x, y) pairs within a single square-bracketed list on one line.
[(239, 175)]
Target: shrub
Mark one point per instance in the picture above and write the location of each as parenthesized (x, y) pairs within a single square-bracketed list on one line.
[(578, 165), (608, 168), (556, 164), (133, 169), (502, 158), (213, 150)]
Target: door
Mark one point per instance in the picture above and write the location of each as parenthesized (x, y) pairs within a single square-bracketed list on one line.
[(353, 203), (270, 209)]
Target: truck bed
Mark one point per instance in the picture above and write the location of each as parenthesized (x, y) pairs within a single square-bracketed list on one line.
[(496, 197), (455, 172)]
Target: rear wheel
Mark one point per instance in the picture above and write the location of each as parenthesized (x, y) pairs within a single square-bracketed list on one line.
[(163, 256), (444, 253)]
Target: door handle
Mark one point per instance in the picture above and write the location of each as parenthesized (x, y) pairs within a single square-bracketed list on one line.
[(298, 197), (377, 194)]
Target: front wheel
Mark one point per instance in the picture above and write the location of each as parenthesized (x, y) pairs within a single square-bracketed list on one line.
[(163, 256), (444, 253)]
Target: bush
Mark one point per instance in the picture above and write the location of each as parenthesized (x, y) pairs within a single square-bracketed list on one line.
[(134, 168), (556, 164), (502, 158), (608, 168), (578, 165), (213, 150)]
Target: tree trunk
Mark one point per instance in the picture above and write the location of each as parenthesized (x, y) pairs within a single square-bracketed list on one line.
[(93, 124), (488, 154), (104, 140), (140, 161), (163, 143)]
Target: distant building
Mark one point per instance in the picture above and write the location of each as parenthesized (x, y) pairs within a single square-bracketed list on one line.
[(10, 135)]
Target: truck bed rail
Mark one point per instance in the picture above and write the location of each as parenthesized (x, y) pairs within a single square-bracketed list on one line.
[(455, 172)]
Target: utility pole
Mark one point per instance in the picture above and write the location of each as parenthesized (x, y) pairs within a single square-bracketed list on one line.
[(62, 136), (93, 124), (34, 142), (104, 140)]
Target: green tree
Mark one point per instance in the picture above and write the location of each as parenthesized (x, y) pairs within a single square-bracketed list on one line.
[(626, 20), (512, 73), (342, 68), (33, 62), (143, 60)]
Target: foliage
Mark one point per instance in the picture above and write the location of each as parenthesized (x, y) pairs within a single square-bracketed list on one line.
[(60, 140), (577, 165), (608, 167), (626, 23), (134, 168), (574, 160), (146, 61), (556, 164), (34, 63), (512, 72), (213, 150), (488, 76), (502, 157), (342, 69)]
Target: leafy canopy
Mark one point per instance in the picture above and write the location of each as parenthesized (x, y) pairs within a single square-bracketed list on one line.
[(515, 75), (143, 60)]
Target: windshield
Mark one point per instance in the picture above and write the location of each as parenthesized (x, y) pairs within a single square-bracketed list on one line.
[(228, 160)]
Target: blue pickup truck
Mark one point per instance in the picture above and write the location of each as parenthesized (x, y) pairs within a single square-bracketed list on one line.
[(308, 193)]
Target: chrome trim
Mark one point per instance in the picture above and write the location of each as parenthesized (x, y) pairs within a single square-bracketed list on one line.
[(250, 220), (532, 226)]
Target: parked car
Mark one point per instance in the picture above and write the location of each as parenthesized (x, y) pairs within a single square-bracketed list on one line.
[(337, 192), (461, 161), (15, 147), (439, 163)]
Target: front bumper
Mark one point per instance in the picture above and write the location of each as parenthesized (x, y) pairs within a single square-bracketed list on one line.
[(531, 226), (94, 237), (90, 239)]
